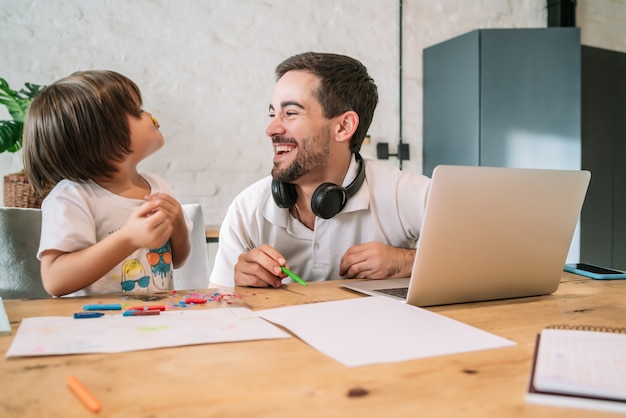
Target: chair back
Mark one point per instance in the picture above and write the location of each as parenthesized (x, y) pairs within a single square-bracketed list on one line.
[(20, 275), (195, 273)]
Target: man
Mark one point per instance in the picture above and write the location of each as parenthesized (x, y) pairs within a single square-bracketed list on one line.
[(300, 218)]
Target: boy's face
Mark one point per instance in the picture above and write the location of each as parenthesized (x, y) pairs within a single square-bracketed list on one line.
[(145, 137)]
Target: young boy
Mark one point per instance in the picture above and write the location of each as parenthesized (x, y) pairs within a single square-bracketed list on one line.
[(106, 228)]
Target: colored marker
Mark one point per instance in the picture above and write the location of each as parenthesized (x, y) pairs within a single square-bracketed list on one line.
[(147, 308), (293, 276), (79, 315), (83, 394), (195, 300), (103, 307), (141, 312)]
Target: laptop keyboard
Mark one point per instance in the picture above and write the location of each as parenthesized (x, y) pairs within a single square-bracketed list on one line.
[(400, 292)]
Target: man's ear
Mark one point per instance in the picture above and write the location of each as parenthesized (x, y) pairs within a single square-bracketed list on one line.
[(346, 126)]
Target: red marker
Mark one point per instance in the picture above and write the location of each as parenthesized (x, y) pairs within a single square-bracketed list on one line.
[(147, 308), (141, 313), (194, 300)]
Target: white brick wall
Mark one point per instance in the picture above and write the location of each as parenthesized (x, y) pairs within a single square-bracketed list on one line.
[(205, 67)]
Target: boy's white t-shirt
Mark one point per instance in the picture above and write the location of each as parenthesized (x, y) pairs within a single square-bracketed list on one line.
[(77, 215)]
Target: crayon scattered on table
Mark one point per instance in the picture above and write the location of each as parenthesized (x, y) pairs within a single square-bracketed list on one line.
[(80, 315), (103, 307), (141, 312), (82, 393)]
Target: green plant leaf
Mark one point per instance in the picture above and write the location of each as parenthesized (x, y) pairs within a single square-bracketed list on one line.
[(17, 103), (9, 98), (31, 90), (10, 135)]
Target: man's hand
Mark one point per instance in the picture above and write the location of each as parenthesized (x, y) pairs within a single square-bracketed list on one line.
[(374, 260), (260, 267)]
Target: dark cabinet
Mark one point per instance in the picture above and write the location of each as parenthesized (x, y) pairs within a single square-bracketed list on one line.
[(535, 98), (503, 97), (603, 219)]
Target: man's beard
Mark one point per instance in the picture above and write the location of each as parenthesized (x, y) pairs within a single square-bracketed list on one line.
[(306, 159), (293, 172)]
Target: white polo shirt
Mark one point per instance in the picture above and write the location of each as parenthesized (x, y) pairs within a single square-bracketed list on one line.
[(388, 208)]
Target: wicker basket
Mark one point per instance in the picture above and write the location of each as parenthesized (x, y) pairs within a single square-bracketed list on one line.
[(18, 192)]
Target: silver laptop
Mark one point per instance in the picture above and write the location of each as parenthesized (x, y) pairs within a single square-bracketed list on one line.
[(490, 233)]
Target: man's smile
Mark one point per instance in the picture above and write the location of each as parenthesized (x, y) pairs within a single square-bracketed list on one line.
[(283, 148)]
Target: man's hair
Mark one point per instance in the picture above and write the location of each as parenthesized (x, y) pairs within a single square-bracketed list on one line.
[(77, 127), (344, 85)]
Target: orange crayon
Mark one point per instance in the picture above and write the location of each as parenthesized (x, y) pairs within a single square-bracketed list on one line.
[(83, 394)]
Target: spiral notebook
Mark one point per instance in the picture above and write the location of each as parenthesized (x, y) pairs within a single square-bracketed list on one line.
[(579, 367)]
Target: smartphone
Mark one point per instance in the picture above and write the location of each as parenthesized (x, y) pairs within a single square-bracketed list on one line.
[(595, 272)]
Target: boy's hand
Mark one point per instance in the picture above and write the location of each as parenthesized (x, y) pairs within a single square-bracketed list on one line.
[(170, 206), (148, 226), (172, 212)]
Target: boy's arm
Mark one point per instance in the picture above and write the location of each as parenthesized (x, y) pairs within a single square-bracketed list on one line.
[(63, 273)]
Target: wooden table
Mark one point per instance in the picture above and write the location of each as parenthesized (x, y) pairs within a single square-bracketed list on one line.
[(288, 378)]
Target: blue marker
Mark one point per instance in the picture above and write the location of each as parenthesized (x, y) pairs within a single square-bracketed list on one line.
[(103, 307), (79, 315)]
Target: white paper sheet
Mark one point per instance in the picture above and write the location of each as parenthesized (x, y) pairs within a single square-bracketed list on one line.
[(372, 330), (114, 333)]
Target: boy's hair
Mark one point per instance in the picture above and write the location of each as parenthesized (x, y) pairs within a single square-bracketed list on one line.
[(78, 126), (344, 85)]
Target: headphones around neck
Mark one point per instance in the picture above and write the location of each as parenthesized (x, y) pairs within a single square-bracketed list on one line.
[(327, 200)]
